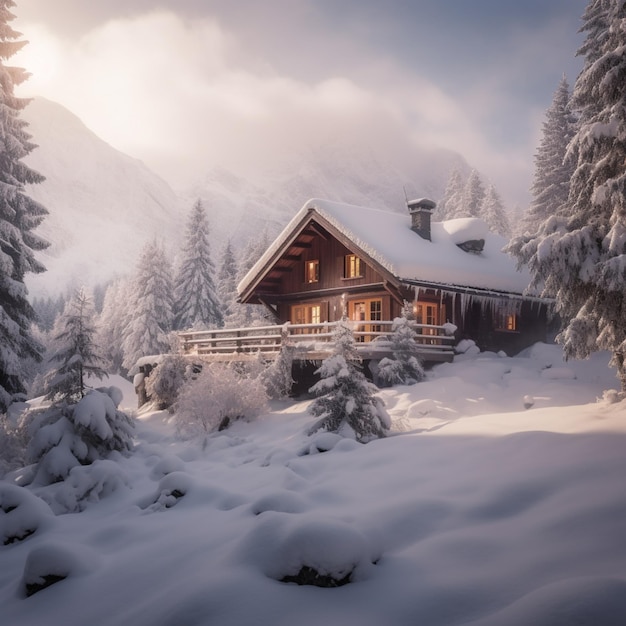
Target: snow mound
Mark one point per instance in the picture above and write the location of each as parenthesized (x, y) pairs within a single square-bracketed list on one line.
[(465, 229), (22, 514), (309, 550), (281, 502), (49, 564)]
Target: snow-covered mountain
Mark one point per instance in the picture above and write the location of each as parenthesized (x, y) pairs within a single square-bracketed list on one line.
[(104, 205)]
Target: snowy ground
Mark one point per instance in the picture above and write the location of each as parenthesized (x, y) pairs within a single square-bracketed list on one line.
[(477, 511)]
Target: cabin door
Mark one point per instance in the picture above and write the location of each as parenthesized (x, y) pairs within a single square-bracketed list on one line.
[(428, 313), (366, 311)]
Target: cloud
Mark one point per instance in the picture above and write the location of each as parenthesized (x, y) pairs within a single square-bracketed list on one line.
[(186, 94)]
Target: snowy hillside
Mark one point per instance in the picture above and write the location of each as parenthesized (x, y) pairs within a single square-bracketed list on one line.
[(104, 205), (476, 511)]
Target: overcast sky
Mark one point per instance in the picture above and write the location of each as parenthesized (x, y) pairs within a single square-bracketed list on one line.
[(188, 84)]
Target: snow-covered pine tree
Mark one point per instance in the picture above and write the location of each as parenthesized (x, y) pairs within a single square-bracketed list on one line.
[(451, 205), (346, 402), (77, 353), (196, 300), (473, 196), (494, 213), (227, 283), (19, 216), (250, 314), (578, 255), (278, 377), (550, 187), (405, 368), (150, 310), (111, 324)]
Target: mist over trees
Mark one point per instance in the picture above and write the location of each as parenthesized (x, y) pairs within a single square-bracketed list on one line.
[(470, 198), (19, 217)]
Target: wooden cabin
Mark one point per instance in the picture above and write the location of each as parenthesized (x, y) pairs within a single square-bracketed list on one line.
[(337, 260)]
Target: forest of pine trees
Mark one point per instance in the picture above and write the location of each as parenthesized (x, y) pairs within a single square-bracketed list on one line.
[(571, 237)]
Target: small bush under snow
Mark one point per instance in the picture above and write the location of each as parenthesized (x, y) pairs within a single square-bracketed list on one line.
[(216, 398), (166, 380)]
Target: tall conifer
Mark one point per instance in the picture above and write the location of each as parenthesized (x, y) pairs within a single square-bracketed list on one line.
[(19, 216)]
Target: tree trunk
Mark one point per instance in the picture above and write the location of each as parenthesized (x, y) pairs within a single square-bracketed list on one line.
[(618, 357)]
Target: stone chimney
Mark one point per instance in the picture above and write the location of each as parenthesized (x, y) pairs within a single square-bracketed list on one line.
[(420, 211)]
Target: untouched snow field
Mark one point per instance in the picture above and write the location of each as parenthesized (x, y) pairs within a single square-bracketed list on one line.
[(476, 511)]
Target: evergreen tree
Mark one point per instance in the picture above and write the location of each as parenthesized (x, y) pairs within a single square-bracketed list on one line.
[(494, 213), (278, 377), (227, 283), (197, 305), (553, 171), (19, 216), (111, 324), (77, 354), (405, 368), (150, 309), (451, 205), (473, 196), (346, 402), (250, 314), (579, 255)]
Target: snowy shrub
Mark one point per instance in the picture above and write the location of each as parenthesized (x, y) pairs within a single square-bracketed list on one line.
[(405, 368), (22, 514), (346, 402), (84, 484), (309, 550), (166, 380), (216, 398), (67, 435)]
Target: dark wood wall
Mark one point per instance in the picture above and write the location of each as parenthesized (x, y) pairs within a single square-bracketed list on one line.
[(331, 254)]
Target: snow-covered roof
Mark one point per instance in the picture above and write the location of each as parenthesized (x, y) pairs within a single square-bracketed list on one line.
[(387, 238)]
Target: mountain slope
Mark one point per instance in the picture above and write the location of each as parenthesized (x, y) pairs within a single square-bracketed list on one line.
[(103, 204)]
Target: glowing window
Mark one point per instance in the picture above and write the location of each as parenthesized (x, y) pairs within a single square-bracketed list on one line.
[(353, 266), (311, 271)]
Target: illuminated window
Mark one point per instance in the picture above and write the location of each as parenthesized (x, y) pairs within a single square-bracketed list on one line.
[(353, 266), (506, 321), (311, 271), (315, 314), (306, 314)]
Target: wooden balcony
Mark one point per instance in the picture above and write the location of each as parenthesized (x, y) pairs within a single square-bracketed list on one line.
[(311, 342)]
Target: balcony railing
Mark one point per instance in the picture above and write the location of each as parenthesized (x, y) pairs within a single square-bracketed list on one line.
[(312, 341)]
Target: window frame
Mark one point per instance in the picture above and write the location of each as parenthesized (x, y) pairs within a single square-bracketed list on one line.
[(353, 267)]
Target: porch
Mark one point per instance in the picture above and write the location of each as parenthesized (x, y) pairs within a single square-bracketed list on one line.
[(311, 342)]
